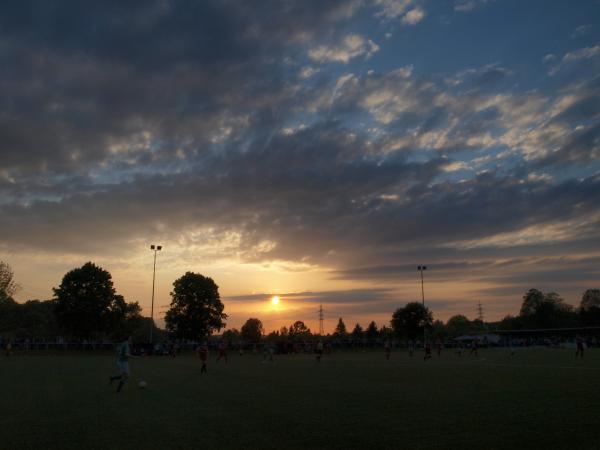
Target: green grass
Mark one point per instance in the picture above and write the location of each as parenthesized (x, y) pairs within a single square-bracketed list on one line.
[(537, 399)]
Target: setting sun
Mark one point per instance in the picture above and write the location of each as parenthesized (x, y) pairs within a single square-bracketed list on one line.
[(275, 300)]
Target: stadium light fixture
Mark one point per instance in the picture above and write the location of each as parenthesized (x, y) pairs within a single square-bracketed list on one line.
[(155, 249)]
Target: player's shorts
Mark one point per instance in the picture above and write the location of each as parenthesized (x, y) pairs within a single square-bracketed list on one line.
[(123, 366)]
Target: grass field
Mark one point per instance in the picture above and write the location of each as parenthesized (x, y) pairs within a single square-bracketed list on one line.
[(536, 399)]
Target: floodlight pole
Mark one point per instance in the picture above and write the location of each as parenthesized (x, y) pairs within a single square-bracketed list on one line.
[(422, 269), (154, 248)]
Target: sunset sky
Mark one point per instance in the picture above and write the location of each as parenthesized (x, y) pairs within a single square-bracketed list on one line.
[(315, 150)]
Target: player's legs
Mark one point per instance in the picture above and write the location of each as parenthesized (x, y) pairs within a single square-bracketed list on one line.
[(124, 366)]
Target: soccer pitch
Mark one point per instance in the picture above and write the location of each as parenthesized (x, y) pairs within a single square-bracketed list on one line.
[(536, 399)]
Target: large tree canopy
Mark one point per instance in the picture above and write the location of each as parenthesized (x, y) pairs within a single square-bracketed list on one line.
[(540, 310), (411, 320), (196, 310), (252, 330), (88, 306), (532, 300)]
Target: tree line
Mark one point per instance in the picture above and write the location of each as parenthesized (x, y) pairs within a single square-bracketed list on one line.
[(87, 306)]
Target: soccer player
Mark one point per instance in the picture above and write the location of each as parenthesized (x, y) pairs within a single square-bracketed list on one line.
[(202, 352), (411, 347), (319, 350), (427, 351), (579, 341), (439, 346), (8, 348), (222, 351), (388, 349), (123, 355), (474, 347), (459, 349), (268, 352)]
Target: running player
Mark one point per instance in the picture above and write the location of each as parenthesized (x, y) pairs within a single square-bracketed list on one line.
[(427, 351), (319, 350), (222, 351), (388, 349), (579, 341), (123, 355), (439, 346), (8, 348), (202, 352), (411, 347)]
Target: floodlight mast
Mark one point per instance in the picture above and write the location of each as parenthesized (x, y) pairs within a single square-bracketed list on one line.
[(422, 269), (154, 248)]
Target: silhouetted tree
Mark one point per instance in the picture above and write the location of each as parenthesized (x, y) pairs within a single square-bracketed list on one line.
[(386, 333), (511, 323), (9, 312), (411, 320), (8, 286), (532, 300), (87, 305), (273, 336), (252, 330), (589, 308), (232, 335), (196, 310), (438, 330), (124, 318), (590, 299), (458, 325), (357, 332), (541, 310), (298, 329), (340, 329), (372, 331)]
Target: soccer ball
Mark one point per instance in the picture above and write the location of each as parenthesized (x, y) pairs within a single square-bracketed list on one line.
[(142, 384)]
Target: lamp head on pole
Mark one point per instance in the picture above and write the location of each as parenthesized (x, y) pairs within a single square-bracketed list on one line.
[(152, 247), (159, 247), (421, 267)]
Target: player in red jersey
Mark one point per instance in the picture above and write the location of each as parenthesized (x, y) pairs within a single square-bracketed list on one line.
[(222, 351), (427, 351)]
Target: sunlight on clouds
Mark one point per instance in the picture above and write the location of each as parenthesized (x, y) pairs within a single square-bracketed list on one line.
[(534, 234), (455, 166), (413, 16), (352, 46)]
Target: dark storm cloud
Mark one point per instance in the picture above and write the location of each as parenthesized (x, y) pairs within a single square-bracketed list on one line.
[(121, 120), (79, 78)]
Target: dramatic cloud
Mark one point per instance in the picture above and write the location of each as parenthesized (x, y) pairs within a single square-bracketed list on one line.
[(351, 46), (318, 150)]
